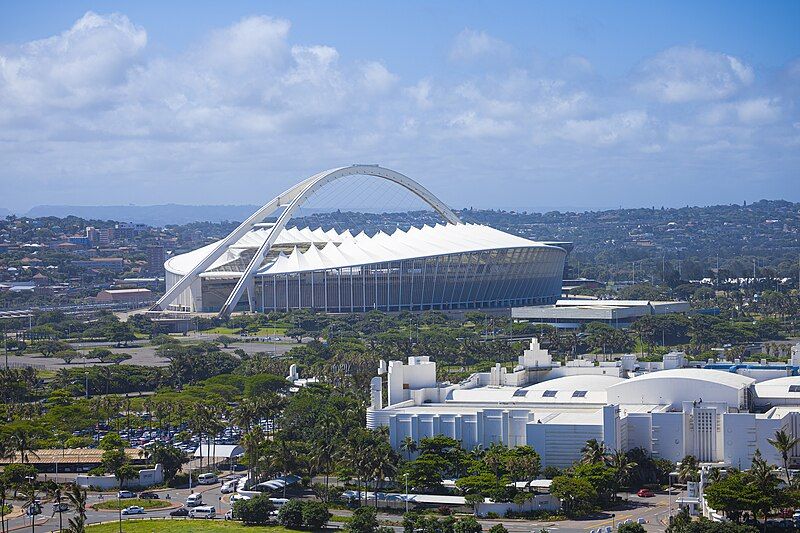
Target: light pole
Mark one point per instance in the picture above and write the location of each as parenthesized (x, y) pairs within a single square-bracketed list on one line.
[(406, 494)]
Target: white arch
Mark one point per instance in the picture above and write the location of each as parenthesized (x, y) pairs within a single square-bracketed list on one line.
[(290, 200)]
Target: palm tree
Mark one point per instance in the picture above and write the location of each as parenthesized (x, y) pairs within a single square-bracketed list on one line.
[(252, 441), (384, 464), (763, 478), (688, 468), (624, 465), (784, 442), (714, 475), (409, 445), (594, 452), (22, 442), (55, 492), (3, 496), (77, 497)]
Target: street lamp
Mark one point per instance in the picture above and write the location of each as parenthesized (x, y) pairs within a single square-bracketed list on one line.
[(406, 494)]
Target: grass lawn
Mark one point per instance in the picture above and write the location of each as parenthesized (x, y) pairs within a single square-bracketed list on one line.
[(127, 502), (183, 526)]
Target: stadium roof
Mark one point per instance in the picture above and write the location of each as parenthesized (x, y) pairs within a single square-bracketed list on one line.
[(329, 249)]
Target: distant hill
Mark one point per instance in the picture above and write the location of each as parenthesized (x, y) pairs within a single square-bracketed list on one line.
[(152, 215)]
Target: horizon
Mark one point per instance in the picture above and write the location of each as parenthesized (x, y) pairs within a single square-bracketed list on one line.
[(590, 105)]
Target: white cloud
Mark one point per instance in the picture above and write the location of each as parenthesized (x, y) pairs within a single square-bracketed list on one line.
[(92, 110), (75, 68), (471, 45), (605, 131), (686, 74), (377, 77)]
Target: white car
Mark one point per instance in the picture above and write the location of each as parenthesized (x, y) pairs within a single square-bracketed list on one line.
[(238, 497), (133, 509), (125, 494), (229, 486)]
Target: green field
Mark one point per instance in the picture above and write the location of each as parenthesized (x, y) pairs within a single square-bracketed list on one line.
[(127, 502), (182, 526)]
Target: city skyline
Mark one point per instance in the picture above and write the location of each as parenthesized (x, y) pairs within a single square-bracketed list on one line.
[(590, 107)]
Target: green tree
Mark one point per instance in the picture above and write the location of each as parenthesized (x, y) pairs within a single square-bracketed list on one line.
[(577, 495), (112, 441), (291, 514), (170, 458), (593, 452), (113, 459), (467, 524), (365, 520), (225, 340), (255, 511), (631, 527), (315, 514), (784, 443)]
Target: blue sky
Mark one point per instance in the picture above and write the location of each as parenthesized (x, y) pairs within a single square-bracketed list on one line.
[(526, 105)]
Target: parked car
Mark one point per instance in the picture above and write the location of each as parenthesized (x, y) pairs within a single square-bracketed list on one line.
[(60, 507), (133, 509), (645, 493), (238, 497), (203, 511), (148, 495), (229, 515), (193, 500), (125, 494), (181, 511)]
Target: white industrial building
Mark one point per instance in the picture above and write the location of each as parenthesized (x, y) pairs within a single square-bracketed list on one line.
[(715, 415)]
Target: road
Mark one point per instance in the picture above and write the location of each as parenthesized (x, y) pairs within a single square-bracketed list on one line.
[(654, 510), (142, 355)]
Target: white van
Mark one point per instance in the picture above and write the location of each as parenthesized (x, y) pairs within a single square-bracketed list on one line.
[(194, 500), (207, 479), (279, 502), (203, 511)]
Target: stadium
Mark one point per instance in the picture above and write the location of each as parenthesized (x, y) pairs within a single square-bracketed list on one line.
[(281, 266)]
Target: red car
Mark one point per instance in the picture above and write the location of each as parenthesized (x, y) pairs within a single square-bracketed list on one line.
[(645, 493)]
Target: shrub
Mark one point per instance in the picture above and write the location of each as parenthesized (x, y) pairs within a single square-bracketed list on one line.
[(631, 527), (254, 511), (365, 520), (291, 514), (315, 514), (467, 525), (500, 528)]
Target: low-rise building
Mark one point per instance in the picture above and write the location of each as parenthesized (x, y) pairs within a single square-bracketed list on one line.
[(574, 312), (714, 415), (139, 295)]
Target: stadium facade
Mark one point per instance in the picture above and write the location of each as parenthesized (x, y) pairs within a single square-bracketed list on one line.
[(280, 267)]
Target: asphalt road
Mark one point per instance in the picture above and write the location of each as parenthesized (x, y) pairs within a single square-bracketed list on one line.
[(142, 355), (654, 510)]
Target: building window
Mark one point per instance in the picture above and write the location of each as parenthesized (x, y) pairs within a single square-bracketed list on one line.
[(579, 394), (794, 388), (549, 394), (520, 393)]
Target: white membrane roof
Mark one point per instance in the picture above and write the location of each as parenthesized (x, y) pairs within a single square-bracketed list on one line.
[(330, 249)]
